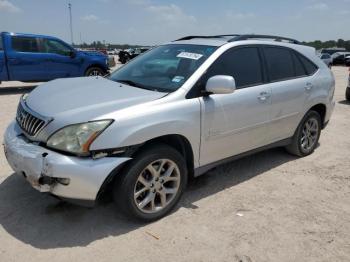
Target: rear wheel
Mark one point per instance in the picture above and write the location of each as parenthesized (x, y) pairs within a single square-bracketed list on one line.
[(307, 135), (152, 184), (94, 71)]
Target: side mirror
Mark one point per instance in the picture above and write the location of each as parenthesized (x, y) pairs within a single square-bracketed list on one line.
[(220, 84), (72, 54)]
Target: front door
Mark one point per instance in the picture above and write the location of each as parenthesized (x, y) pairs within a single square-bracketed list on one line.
[(61, 59), (235, 123)]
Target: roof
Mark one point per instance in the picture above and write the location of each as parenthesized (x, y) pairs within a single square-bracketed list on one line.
[(218, 40), (29, 35)]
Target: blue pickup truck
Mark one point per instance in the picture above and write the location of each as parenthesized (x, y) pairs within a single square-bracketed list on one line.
[(28, 58)]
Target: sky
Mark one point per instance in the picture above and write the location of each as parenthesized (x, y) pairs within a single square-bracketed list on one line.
[(149, 22)]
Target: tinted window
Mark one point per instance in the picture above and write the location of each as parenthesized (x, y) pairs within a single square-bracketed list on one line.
[(1, 48), (325, 56), (309, 66), (56, 47), (165, 68), (298, 66), (25, 44), (279, 63), (243, 64)]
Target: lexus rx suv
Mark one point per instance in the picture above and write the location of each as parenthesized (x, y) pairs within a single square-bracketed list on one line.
[(172, 113)]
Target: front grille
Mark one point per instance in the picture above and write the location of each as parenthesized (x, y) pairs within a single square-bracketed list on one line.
[(29, 123)]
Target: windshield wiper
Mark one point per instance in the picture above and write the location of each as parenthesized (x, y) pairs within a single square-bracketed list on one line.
[(134, 84), (130, 83)]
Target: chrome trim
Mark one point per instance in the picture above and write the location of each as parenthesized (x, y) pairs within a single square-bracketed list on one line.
[(30, 122)]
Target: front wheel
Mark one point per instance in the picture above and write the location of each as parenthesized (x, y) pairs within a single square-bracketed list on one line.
[(152, 184), (307, 135), (94, 71)]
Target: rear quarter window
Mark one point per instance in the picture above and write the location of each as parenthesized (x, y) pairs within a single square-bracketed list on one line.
[(310, 67)]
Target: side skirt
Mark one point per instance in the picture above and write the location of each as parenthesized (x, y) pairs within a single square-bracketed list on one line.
[(203, 169)]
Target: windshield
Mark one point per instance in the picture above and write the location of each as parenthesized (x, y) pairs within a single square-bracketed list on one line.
[(163, 69)]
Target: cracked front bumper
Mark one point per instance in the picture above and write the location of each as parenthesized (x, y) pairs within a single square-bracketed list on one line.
[(85, 175)]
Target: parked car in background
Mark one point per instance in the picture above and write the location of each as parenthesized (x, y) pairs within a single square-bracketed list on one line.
[(128, 54), (339, 58), (332, 50), (347, 93), (27, 57), (327, 59), (111, 61), (172, 113), (347, 60)]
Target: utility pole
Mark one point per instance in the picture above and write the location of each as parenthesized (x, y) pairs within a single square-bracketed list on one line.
[(71, 23)]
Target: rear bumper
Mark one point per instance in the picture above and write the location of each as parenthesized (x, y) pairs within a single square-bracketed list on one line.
[(67, 177)]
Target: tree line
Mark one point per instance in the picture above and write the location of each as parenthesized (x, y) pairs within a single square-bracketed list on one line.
[(328, 44), (101, 45), (316, 44)]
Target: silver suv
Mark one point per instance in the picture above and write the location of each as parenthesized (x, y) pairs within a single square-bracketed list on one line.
[(174, 112)]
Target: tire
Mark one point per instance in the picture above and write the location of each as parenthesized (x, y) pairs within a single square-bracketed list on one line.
[(347, 93), (126, 59), (94, 71), (305, 140), (150, 199)]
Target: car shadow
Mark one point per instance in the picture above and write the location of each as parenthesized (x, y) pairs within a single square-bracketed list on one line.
[(45, 222), (344, 102), (16, 90)]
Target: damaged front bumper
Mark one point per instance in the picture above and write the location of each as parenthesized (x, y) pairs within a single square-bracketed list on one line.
[(69, 177)]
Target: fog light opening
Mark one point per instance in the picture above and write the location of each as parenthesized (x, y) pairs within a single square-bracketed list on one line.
[(63, 181)]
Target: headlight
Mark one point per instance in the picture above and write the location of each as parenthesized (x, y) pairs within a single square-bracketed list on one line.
[(77, 138)]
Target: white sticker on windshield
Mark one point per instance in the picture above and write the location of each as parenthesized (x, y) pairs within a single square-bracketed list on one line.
[(177, 79), (189, 55)]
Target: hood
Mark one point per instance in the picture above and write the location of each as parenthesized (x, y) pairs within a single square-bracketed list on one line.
[(85, 98), (93, 53)]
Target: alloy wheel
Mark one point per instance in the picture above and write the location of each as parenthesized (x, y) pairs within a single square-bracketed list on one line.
[(95, 73), (309, 134), (156, 186)]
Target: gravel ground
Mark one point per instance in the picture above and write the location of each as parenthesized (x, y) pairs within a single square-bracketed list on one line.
[(266, 207)]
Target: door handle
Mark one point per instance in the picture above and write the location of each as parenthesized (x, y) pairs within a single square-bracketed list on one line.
[(13, 60), (308, 86), (263, 96)]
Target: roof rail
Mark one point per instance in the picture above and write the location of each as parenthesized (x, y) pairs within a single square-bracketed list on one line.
[(272, 37), (202, 36), (236, 37)]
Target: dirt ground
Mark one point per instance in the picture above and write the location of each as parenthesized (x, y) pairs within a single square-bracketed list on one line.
[(266, 207)]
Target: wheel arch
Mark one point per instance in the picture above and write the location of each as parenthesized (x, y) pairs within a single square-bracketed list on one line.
[(176, 141), (321, 109), (95, 65)]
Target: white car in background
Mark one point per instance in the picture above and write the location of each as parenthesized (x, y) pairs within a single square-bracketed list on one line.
[(327, 59)]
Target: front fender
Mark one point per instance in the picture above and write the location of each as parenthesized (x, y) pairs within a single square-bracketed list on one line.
[(179, 118)]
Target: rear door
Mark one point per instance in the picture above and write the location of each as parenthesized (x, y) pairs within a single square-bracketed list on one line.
[(25, 62), (235, 123), (291, 84), (3, 69), (62, 60)]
